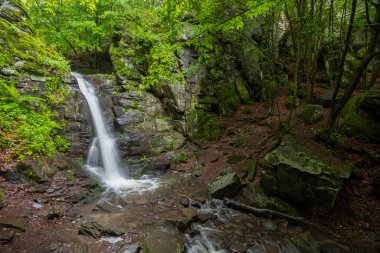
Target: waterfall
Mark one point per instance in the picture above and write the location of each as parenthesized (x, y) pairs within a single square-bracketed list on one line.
[(103, 158)]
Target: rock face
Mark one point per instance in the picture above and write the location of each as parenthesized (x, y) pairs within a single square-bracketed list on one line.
[(138, 120), (227, 184), (294, 173), (361, 117), (312, 113)]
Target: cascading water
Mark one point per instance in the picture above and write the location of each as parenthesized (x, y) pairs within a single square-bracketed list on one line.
[(103, 160)]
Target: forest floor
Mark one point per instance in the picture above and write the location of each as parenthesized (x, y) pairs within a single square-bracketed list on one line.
[(41, 214), (355, 218)]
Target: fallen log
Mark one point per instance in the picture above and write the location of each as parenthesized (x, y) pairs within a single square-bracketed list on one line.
[(265, 212)]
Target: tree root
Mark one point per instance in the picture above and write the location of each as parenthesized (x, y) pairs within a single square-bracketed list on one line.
[(266, 212)]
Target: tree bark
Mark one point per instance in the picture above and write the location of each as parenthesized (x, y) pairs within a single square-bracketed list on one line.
[(362, 67), (333, 114)]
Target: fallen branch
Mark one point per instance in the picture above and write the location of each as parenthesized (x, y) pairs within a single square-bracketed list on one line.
[(265, 212)]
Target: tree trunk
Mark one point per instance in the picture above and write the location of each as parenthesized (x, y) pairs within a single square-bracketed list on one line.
[(333, 114), (363, 66)]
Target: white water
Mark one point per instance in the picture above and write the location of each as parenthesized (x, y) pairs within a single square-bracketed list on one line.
[(103, 160)]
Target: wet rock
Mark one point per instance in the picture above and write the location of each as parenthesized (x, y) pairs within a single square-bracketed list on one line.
[(68, 247), (96, 230), (181, 223), (293, 172), (132, 248), (227, 184), (108, 207), (12, 223), (270, 226), (164, 240), (189, 212), (312, 113)]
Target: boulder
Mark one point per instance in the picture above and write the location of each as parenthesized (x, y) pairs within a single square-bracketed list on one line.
[(292, 172), (96, 230), (227, 184), (371, 102), (164, 240), (243, 93), (359, 123), (312, 113), (325, 99)]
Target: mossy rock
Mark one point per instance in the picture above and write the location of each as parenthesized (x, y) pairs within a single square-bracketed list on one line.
[(293, 172), (312, 113), (370, 102), (258, 199), (227, 184), (242, 91), (359, 123), (204, 126), (228, 98), (289, 102)]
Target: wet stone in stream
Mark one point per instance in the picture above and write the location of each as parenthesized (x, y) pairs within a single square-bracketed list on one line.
[(159, 221)]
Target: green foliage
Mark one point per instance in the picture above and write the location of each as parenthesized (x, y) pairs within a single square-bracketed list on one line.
[(331, 138), (34, 57), (180, 158), (27, 125)]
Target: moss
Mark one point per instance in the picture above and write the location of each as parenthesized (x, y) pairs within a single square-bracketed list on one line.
[(357, 124), (312, 113), (239, 142), (180, 158), (21, 46), (205, 125), (229, 101), (289, 102), (242, 91)]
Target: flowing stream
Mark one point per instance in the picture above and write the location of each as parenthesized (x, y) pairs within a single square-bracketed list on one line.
[(132, 205), (103, 160)]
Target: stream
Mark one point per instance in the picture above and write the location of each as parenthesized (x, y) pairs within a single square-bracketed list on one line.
[(172, 211)]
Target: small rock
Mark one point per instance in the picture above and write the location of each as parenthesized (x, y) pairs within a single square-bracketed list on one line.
[(164, 241), (131, 248), (96, 230), (108, 207), (6, 239), (141, 201), (189, 212), (53, 215), (227, 184), (270, 226), (312, 113)]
